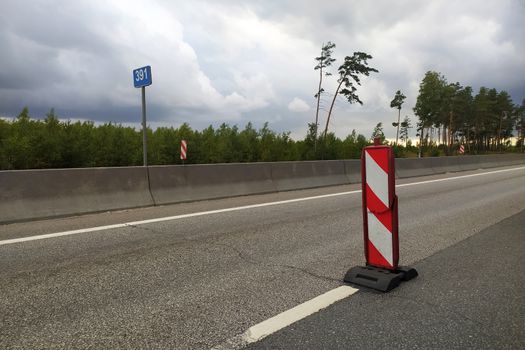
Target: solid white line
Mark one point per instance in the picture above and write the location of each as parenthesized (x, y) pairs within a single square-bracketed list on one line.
[(460, 177), (168, 218), (219, 211), (286, 318)]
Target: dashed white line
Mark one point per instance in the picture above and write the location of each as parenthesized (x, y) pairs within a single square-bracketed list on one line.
[(219, 211), (286, 318)]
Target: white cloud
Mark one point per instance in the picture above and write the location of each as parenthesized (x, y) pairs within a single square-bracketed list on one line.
[(298, 105), (216, 61)]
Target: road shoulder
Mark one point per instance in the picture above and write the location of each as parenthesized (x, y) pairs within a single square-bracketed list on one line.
[(467, 296)]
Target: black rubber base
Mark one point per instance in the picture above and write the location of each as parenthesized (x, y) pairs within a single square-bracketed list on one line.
[(379, 279)]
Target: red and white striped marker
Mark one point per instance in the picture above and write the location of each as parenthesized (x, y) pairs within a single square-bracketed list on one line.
[(183, 149), (380, 207), (461, 149), (380, 223)]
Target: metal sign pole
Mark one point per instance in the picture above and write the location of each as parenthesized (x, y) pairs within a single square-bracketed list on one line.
[(141, 79), (144, 134)]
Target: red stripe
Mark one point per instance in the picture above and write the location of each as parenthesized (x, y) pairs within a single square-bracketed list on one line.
[(183, 148), (373, 202), (386, 219), (375, 258), (380, 156), (375, 205)]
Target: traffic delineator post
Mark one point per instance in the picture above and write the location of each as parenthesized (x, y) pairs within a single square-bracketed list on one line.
[(183, 149), (380, 223)]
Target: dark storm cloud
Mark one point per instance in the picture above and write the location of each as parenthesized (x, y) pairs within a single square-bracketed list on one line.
[(32, 35), (234, 62)]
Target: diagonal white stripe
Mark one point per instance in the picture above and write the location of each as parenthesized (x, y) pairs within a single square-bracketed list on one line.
[(381, 238), (377, 179)]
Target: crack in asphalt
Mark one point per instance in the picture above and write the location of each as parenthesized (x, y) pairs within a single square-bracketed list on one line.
[(253, 261), (242, 255)]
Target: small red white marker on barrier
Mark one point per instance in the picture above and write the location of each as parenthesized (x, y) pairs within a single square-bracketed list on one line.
[(461, 149), (380, 223), (183, 149)]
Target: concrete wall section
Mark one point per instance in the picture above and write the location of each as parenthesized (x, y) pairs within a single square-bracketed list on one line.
[(515, 159), (353, 170), (442, 165), (410, 167), (32, 194), (296, 175), (468, 163), (176, 183)]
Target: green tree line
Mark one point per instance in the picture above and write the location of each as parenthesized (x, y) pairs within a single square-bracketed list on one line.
[(451, 114), (28, 143)]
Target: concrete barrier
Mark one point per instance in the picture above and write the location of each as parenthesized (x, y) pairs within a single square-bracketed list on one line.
[(442, 165), (469, 163), (353, 170), (177, 183), (34, 194), (464, 163), (297, 175), (490, 161), (410, 167), (515, 159)]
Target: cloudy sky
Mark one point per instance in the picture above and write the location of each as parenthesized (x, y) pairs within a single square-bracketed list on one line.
[(240, 61)]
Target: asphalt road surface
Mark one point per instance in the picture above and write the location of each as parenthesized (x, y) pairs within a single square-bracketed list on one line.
[(194, 276), (469, 296)]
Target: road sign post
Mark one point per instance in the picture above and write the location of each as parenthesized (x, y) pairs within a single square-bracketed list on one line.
[(144, 129), (380, 223), (141, 79)]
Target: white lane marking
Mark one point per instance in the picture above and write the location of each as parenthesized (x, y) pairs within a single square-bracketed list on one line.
[(60, 234), (218, 211), (286, 318), (461, 177), (168, 218)]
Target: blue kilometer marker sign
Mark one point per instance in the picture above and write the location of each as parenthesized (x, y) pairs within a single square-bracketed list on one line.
[(142, 76)]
